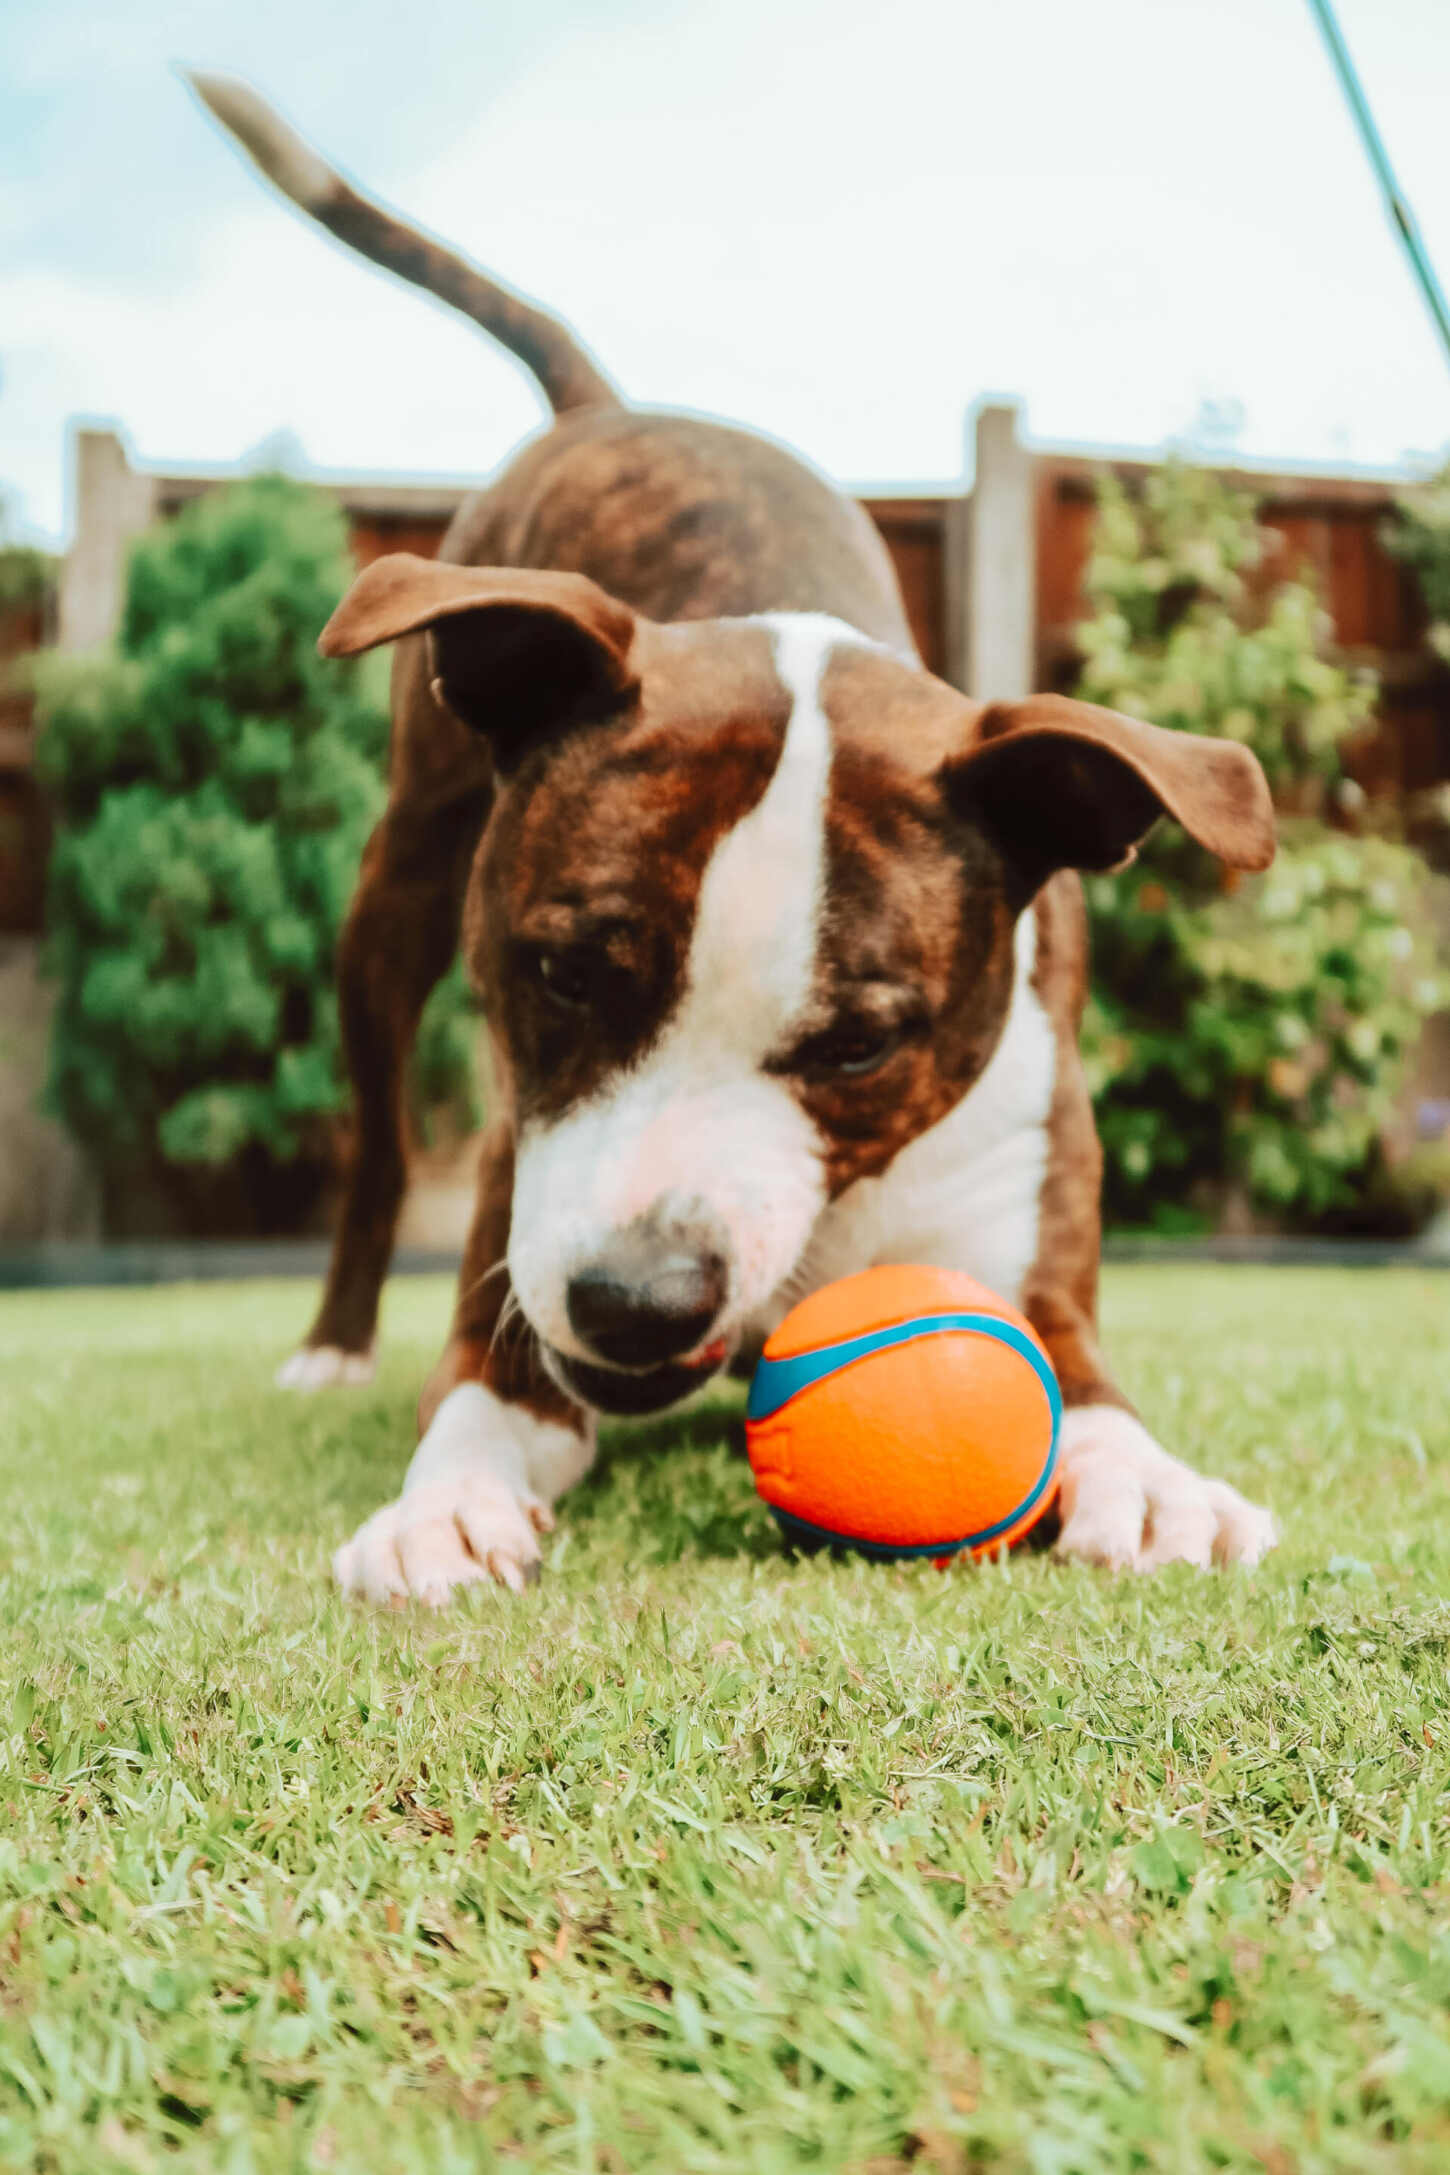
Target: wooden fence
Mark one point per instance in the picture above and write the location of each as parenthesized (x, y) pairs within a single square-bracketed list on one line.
[(1332, 527), (992, 576), (24, 826)]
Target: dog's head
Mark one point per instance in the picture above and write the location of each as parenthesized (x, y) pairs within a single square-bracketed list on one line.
[(742, 919)]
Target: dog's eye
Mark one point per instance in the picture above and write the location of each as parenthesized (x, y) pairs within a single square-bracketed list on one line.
[(849, 1050), (569, 978)]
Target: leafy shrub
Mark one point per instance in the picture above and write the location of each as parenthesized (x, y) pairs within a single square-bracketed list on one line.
[(213, 781), (1176, 636), (1421, 537), (1248, 1039), (27, 575), (1256, 1040)]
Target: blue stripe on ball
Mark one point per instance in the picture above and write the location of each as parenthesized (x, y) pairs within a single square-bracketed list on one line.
[(777, 1381)]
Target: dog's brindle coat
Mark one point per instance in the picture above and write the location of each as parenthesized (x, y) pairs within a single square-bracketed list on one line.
[(779, 941)]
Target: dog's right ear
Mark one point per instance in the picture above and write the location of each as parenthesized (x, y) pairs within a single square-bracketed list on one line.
[(518, 653)]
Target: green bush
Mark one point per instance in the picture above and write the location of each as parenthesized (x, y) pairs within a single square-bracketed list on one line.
[(27, 575), (1247, 1041), (1176, 637), (1421, 537), (1252, 1044), (213, 782)]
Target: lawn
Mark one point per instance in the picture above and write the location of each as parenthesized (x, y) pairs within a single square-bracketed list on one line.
[(698, 1858)]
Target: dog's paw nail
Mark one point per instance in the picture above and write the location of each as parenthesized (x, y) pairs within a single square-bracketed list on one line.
[(512, 1574), (1245, 1534), (435, 1540)]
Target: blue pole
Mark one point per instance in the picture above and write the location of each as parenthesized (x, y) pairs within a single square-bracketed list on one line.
[(1379, 159)]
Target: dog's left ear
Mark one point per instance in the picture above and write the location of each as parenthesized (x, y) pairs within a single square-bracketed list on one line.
[(518, 653), (1064, 784)]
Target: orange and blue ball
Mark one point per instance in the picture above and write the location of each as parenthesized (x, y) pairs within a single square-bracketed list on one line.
[(905, 1412)]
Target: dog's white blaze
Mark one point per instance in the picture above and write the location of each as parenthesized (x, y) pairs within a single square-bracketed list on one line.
[(967, 1193), (757, 920), (698, 1120)]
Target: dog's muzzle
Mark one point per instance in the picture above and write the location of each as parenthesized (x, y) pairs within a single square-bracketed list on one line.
[(645, 1311)]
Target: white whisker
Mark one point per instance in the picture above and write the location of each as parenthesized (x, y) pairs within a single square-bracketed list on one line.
[(497, 1268)]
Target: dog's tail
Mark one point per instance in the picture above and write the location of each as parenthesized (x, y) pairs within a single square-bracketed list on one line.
[(565, 370)]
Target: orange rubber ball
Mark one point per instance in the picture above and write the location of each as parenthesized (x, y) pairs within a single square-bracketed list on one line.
[(905, 1412)]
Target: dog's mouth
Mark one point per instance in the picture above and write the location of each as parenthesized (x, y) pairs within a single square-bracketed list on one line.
[(627, 1393)]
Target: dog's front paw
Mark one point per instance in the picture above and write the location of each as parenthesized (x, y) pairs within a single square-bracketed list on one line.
[(443, 1534), (1127, 1504), (474, 1502), (318, 1366)]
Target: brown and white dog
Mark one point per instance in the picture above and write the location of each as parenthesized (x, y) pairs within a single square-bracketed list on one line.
[(778, 937)]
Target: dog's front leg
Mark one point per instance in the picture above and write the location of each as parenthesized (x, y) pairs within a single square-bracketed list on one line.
[(477, 1495), (1125, 1502), (499, 1443)]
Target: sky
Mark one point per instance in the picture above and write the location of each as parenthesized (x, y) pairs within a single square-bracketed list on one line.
[(840, 222)]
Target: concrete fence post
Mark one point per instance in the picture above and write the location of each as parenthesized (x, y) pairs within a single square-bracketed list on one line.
[(991, 565), (111, 504), (956, 584)]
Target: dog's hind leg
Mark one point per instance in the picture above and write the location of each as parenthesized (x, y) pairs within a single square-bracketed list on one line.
[(399, 939)]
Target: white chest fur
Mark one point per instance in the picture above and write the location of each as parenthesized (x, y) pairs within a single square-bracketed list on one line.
[(967, 1194)]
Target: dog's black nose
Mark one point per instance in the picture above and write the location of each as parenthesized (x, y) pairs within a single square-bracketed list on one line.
[(649, 1297)]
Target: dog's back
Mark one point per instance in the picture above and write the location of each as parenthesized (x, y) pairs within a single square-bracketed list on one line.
[(684, 519)]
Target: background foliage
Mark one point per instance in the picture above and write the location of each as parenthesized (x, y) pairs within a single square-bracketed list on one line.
[(1421, 537), (214, 781), (26, 573), (1248, 1042)]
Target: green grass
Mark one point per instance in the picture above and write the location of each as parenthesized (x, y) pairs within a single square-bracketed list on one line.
[(702, 1859)]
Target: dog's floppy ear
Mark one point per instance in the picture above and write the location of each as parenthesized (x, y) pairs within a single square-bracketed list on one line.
[(1065, 784), (518, 653)]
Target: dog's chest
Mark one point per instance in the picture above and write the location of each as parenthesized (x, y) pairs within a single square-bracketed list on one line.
[(966, 1194)]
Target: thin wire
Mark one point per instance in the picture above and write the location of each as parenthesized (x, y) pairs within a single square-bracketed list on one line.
[(1379, 159)]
